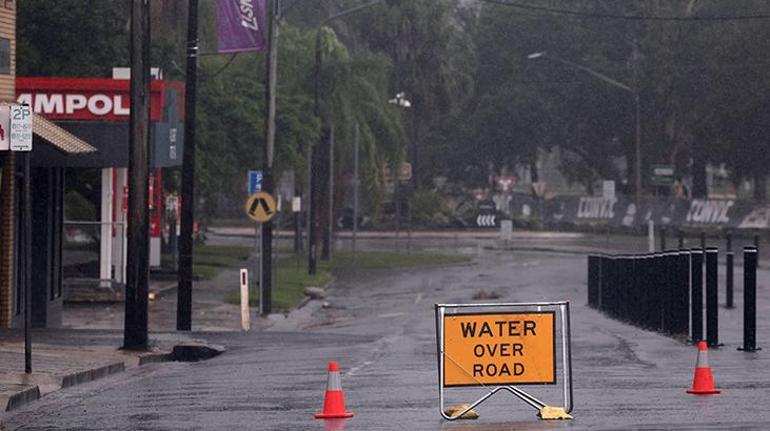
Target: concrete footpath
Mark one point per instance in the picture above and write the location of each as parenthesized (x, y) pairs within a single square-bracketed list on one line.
[(64, 357)]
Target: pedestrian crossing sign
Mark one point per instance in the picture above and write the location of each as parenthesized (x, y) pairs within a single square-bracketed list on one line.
[(260, 207)]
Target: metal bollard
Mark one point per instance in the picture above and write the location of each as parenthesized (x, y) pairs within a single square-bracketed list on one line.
[(712, 298), (593, 280), (696, 295), (749, 300), (729, 277), (662, 238), (682, 299)]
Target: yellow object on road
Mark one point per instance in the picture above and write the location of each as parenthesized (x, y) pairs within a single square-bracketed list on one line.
[(550, 413), (470, 414)]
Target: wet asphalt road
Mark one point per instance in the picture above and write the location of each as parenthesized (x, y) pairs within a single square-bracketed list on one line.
[(380, 328)]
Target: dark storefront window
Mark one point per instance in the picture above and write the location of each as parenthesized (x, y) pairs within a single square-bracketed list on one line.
[(5, 56)]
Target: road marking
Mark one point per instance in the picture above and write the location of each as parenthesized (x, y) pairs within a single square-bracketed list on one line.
[(358, 368), (418, 299)]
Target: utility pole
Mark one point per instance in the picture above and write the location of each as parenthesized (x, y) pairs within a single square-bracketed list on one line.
[(138, 268), (268, 184), (184, 274)]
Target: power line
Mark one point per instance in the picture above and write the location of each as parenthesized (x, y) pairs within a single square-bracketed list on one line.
[(599, 15)]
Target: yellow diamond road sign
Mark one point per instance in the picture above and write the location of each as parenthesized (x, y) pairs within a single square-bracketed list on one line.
[(260, 207)]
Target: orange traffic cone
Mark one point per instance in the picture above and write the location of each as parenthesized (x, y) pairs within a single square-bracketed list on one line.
[(334, 400), (703, 382)]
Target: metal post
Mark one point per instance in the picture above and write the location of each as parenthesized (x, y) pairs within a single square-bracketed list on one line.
[(329, 238), (638, 120), (703, 240), (662, 238), (729, 277), (27, 268), (756, 241), (682, 294), (268, 184), (356, 188), (696, 295), (138, 268), (749, 300), (593, 279), (712, 287), (187, 216)]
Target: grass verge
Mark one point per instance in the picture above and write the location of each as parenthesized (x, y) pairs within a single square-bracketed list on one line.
[(290, 277), (209, 260)]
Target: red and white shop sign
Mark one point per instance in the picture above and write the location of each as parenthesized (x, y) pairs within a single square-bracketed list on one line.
[(84, 99)]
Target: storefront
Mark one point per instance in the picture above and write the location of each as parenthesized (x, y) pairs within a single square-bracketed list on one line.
[(96, 110)]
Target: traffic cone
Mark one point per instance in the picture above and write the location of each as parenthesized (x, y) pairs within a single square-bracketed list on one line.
[(703, 382), (334, 400)]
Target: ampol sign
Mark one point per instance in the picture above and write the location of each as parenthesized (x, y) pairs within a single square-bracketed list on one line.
[(89, 99)]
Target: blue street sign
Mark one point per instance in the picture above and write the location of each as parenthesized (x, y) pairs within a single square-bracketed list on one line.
[(255, 182)]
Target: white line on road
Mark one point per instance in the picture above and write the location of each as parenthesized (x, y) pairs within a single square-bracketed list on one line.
[(386, 315), (418, 299)]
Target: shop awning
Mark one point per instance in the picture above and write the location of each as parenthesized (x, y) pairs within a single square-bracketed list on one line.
[(59, 138)]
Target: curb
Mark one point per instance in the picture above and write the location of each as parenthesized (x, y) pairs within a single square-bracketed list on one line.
[(19, 395), (92, 374), (18, 399)]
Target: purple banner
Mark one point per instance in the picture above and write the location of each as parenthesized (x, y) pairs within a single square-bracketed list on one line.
[(241, 25)]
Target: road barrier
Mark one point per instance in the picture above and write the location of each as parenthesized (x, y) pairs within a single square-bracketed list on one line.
[(651, 291), (664, 291), (501, 347), (729, 277)]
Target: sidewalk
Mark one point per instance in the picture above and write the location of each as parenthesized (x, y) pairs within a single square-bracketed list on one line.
[(64, 357)]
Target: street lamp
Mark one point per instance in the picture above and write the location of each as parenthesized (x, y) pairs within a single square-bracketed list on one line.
[(402, 102), (615, 83)]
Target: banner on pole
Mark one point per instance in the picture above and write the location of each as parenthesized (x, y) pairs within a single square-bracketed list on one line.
[(241, 25)]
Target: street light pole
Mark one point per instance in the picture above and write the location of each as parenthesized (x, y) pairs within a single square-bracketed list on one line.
[(268, 185), (637, 106), (185, 243)]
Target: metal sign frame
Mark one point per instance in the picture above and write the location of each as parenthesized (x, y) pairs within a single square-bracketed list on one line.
[(566, 356)]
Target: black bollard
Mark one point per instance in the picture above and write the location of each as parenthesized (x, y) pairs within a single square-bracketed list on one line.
[(662, 238), (703, 240), (682, 292), (681, 238), (593, 280), (696, 295), (712, 299), (749, 300), (729, 277)]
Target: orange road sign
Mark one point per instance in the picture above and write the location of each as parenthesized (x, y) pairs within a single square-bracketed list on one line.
[(499, 349), (260, 207)]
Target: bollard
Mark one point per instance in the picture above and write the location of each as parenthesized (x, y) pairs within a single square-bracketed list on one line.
[(668, 296), (662, 238), (696, 295), (593, 280), (681, 238), (703, 240), (712, 299), (245, 322), (729, 277), (749, 300), (682, 292), (650, 235)]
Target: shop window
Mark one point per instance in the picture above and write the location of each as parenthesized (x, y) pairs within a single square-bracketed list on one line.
[(5, 56)]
